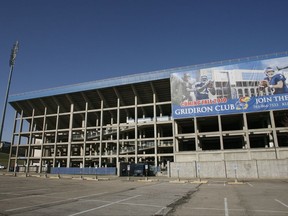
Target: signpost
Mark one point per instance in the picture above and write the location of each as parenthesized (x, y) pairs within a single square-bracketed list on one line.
[(146, 170), (128, 170), (198, 171), (235, 171)]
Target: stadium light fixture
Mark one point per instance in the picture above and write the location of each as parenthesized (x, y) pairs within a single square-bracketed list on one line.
[(11, 64)]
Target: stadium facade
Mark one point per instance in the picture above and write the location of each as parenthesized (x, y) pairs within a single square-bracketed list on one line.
[(159, 118)]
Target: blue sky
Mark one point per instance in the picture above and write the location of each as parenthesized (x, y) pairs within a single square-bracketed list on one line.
[(64, 42)]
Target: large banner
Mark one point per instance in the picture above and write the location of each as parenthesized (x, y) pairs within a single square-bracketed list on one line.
[(245, 87)]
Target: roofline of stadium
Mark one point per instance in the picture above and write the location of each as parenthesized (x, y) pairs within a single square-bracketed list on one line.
[(129, 79)]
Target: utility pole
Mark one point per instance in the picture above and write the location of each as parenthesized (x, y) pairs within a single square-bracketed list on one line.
[(11, 64)]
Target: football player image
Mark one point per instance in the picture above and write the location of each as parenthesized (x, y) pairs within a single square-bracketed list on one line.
[(204, 88), (187, 85), (183, 88), (275, 82)]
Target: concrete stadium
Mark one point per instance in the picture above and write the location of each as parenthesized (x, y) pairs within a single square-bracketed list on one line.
[(133, 119)]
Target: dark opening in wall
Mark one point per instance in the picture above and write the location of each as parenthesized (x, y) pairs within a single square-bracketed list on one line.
[(207, 124), (233, 142), (75, 149), (78, 120), (165, 150), (146, 132), (147, 150), (258, 120), (22, 151), (165, 130), (281, 118), (61, 150), (210, 143), (259, 140), (75, 163), (232, 122), (282, 139), (128, 135), (50, 137), (63, 122), (62, 136), (61, 163), (51, 122), (185, 126), (187, 145)]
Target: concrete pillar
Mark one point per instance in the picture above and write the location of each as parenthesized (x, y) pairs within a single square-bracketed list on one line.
[(43, 138), (70, 135)]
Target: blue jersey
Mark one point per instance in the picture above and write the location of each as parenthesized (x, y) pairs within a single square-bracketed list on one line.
[(203, 93), (274, 80)]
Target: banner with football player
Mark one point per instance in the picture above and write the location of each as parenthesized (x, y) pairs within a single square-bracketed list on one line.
[(244, 87)]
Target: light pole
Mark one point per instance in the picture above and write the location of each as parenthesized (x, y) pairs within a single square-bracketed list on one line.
[(11, 64)]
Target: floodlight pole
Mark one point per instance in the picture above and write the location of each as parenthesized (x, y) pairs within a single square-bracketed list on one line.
[(11, 64)]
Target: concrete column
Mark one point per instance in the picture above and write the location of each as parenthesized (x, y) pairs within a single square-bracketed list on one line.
[(274, 129), (197, 142), (168, 169), (275, 139), (30, 139), (136, 129), (220, 131), (12, 141), (43, 138), (118, 136), (155, 130), (246, 136), (19, 137), (175, 141), (85, 133), (101, 134), (246, 131), (70, 136), (56, 137)]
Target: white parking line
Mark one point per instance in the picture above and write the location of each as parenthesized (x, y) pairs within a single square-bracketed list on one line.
[(250, 184), (148, 205), (25, 207), (240, 210), (24, 191), (160, 211), (103, 206), (19, 194), (281, 203), (217, 185), (21, 197), (10, 193), (226, 207), (124, 203)]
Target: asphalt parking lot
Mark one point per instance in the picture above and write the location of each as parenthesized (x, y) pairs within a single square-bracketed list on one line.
[(257, 198), (122, 196)]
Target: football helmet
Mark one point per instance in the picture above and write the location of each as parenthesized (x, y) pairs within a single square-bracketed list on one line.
[(204, 78), (269, 72)]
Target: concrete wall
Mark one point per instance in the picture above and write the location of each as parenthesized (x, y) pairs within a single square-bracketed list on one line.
[(272, 169), (230, 169), (283, 153), (242, 169), (183, 170), (187, 157), (232, 155), (212, 169), (263, 154)]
